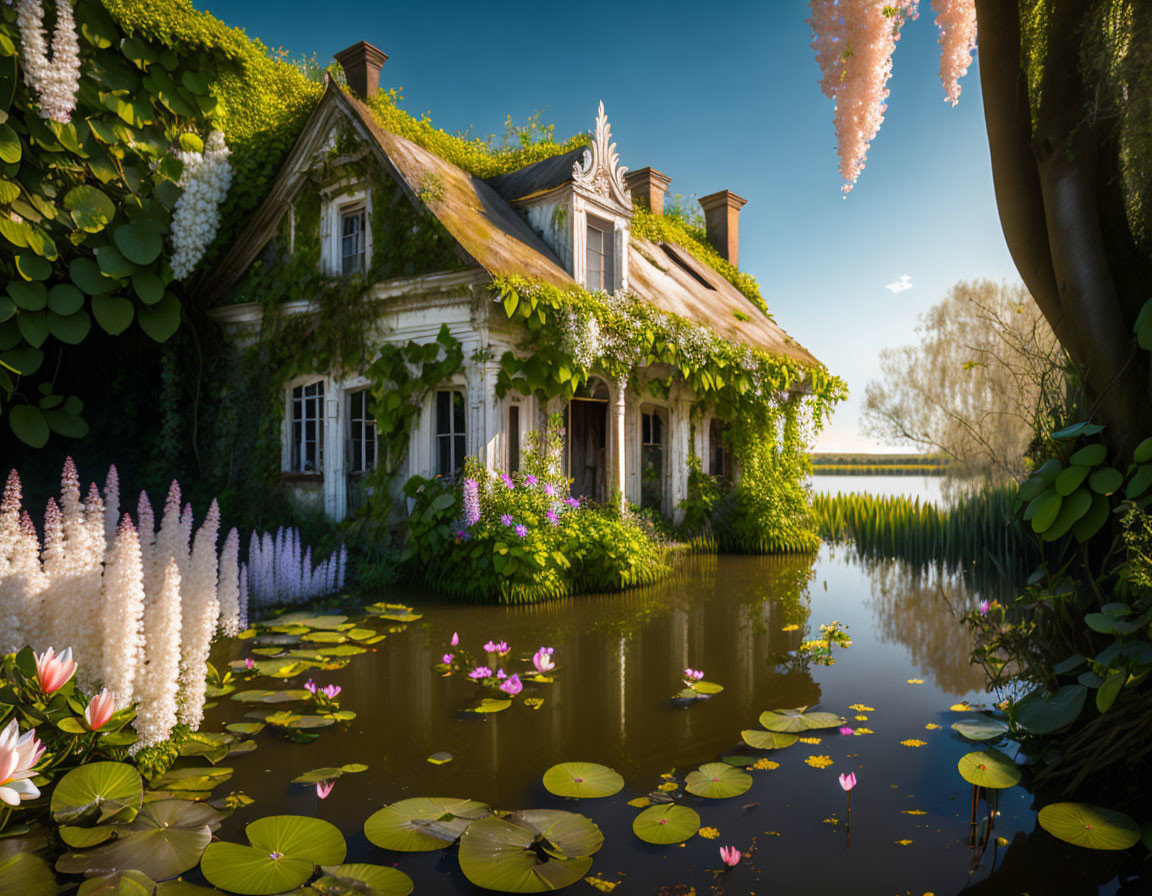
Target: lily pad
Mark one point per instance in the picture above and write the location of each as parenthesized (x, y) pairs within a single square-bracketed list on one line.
[(285, 719), (325, 637), (328, 773), (103, 788), (717, 781), (195, 778), (332, 621), (269, 696), (122, 883), (245, 727), (768, 740), (793, 720), (422, 823), (443, 757), (284, 852), (529, 852), (26, 874), (363, 880), (664, 825), (980, 728), (989, 768), (1043, 713), (490, 704), (165, 840), (706, 687), (1090, 826), (583, 780)]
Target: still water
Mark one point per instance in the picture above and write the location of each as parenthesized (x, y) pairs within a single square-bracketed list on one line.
[(619, 660), (929, 489)]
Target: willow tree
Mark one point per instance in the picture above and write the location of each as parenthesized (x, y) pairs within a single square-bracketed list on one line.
[(1067, 89)]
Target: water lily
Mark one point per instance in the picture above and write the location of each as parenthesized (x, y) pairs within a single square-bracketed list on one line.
[(501, 674), (846, 730), (323, 788), (522, 531), (99, 710), (447, 659), (332, 691), (691, 675), (506, 519), (984, 608), (480, 672), (249, 664), (310, 686), (542, 660), (512, 686), (730, 855), (500, 647), (54, 671), (455, 639), (19, 754), (848, 781)]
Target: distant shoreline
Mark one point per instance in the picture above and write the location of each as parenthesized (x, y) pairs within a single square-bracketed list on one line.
[(827, 464)]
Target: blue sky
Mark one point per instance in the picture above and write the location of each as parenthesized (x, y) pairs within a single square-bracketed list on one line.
[(717, 96)]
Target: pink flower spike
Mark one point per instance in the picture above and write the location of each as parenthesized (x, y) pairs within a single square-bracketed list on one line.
[(846, 730), (99, 710), (455, 639), (730, 855), (323, 788), (512, 686), (54, 671), (848, 781), (310, 686)]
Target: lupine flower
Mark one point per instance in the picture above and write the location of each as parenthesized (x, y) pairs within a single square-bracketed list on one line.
[(323, 788), (846, 730), (552, 518), (446, 659), (455, 639), (99, 710), (332, 691), (572, 502), (310, 685), (542, 660), (549, 489), (984, 608), (19, 754), (512, 686), (530, 480), (522, 531), (54, 671), (693, 674), (507, 480), (730, 855), (848, 781), (506, 519), (471, 502), (480, 672), (248, 663)]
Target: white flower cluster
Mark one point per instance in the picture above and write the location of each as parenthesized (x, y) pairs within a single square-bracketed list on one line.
[(206, 179), (280, 573), (55, 83)]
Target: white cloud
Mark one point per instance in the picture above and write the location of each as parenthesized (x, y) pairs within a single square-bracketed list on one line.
[(905, 282)]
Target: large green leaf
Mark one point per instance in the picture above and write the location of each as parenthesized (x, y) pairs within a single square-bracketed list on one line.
[(28, 425), (793, 720), (768, 740), (272, 696), (284, 852), (582, 780), (528, 852), (113, 313), (666, 824), (161, 320), (139, 244), (1043, 713), (87, 275), (196, 778), (329, 773), (422, 823), (26, 874), (989, 768), (717, 781), (980, 728), (362, 880), (90, 208), (105, 789), (1091, 826), (121, 883), (9, 144)]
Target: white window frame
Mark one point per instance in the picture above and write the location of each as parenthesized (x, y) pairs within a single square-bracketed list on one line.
[(291, 447), (338, 200), (455, 463), (359, 464), (607, 233), (664, 413), (350, 212)]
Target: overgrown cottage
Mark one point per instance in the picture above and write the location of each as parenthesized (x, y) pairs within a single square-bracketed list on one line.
[(506, 299)]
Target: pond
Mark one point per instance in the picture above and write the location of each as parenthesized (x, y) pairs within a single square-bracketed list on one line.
[(929, 489), (619, 660)]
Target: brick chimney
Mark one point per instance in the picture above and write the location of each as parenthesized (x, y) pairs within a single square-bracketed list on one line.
[(362, 63), (648, 187), (722, 220)]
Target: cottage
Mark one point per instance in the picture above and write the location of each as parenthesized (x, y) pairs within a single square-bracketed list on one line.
[(355, 199)]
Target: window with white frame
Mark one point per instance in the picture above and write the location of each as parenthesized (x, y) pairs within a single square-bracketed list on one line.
[(306, 428), (652, 458), (361, 433), (353, 246), (450, 432), (720, 464), (599, 256)]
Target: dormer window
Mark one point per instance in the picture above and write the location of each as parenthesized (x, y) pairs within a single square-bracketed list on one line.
[(353, 248), (599, 268)]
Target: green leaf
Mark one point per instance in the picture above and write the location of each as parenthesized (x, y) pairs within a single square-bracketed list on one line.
[(421, 824), (582, 780), (139, 244), (9, 144), (113, 263), (1105, 480), (980, 728), (1072, 509), (768, 740), (1078, 429), (86, 274), (1139, 483), (120, 883), (284, 851), (65, 299), (1110, 690), (1143, 452), (105, 788), (1089, 826), (1069, 479), (191, 143), (363, 880), (29, 296), (501, 853), (33, 267), (1047, 512), (1093, 520), (90, 208), (33, 326), (26, 874), (149, 288), (793, 720), (717, 781), (113, 313), (28, 425), (1044, 713), (665, 825), (989, 768)]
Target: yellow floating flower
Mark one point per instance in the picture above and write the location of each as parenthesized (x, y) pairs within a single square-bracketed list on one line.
[(790, 628), (962, 706), (861, 718), (765, 764), (903, 842), (669, 786), (809, 740), (912, 742), (913, 812), (604, 886), (641, 802), (819, 761), (915, 681), (932, 726), (863, 731), (860, 707), (708, 833)]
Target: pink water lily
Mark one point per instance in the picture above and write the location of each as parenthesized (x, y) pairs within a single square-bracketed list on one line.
[(310, 686), (447, 659), (848, 781), (19, 754), (500, 647), (99, 710), (693, 675), (323, 788), (480, 672), (542, 660), (846, 730), (331, 691), (455, 639), (54, 671), (248, 663), (512, 686), (730, 855)]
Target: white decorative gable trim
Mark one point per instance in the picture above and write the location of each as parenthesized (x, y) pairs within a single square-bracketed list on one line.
[(600, 170)]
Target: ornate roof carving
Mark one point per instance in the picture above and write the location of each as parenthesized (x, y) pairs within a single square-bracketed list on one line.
[(600, 170)]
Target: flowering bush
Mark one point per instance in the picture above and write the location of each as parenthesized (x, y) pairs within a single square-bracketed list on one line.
[(55, 83), (196, 216)]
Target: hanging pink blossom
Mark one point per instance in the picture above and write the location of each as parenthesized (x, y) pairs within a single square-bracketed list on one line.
[(957, 22)]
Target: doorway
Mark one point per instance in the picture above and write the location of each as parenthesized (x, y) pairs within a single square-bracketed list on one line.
[(588, 441)]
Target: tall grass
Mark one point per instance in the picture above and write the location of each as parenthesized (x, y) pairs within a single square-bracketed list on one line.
[(980, 531)]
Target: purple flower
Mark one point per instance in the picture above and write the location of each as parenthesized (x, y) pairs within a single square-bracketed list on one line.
[(248, 664), (693, 674), (490, 647), (552, 518), (471, 502), (446, 659), (455, 638), (507, 480), (572, 502), (846, 730), (310, 685), (462, 535), (530, 480), (522, 531), (501, 674), (332, 691), (549, 489), (480, 672), (512, 686), (506, 519), (984, 608), (542, 660)]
